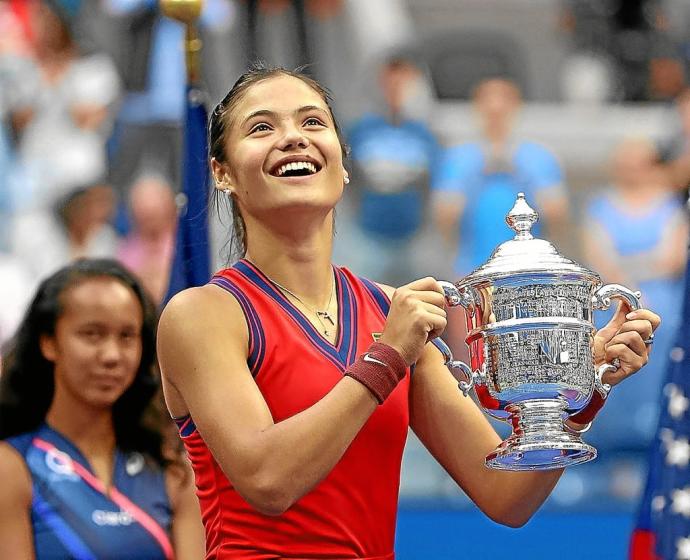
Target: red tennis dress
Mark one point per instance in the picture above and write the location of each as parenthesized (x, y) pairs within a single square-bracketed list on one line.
[(352, 512)]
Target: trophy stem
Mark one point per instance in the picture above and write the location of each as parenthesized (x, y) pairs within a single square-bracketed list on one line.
[(539, 440)]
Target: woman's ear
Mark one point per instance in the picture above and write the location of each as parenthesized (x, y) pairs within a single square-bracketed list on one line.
[(221, 177), (47, 346)]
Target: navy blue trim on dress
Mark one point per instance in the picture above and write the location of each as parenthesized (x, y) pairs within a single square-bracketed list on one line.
[(348, 313), (253, 275), (185, 425), (378, 295), (257, 339), (338, 354)]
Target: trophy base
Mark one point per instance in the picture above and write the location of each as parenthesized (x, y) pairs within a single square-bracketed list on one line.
[(539, 440)]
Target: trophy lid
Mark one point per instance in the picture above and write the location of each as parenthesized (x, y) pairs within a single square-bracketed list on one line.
[(525, 253)]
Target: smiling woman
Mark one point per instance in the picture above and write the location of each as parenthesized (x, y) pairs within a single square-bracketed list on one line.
[(289, 377), (90, 476), (260, 122)]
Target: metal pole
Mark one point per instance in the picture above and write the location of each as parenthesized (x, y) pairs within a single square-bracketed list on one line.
[(187, 12)]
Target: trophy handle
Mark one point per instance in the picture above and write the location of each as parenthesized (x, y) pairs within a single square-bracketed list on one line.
[(599, 385), (465, 386), (602, 300), (456, 296), (603, 296)]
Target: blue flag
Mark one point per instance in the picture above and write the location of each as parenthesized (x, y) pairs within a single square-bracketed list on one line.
[(192, 263), (663, 525)]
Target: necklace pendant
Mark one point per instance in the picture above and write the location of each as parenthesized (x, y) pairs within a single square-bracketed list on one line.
[(326, 315)]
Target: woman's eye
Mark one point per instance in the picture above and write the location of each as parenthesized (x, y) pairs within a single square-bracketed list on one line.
[(90, 334), (261, 127), (313, 121)]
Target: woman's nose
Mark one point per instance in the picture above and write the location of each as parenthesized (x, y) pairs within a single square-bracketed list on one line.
[(110, 351), (294, 138)]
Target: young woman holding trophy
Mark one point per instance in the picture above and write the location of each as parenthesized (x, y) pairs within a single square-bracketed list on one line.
[(294, 382)]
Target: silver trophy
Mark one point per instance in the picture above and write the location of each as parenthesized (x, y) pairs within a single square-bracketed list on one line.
[(530, 335)]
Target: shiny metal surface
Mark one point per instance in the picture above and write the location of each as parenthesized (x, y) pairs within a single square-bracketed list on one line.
[(529, 317)]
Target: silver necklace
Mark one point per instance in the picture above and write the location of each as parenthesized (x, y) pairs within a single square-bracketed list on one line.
[(320, 315)]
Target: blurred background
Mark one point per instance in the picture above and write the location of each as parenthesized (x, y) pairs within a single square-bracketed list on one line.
[(450, 107)]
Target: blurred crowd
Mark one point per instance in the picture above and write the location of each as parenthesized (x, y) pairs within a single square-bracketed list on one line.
[(91, 105)]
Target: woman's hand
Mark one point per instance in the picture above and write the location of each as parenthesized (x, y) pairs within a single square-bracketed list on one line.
[(416, 316), (624, 338)]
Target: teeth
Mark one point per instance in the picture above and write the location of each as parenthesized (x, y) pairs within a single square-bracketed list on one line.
[(295, 165)]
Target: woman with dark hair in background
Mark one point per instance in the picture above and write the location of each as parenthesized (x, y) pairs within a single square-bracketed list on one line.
[(288, 376), (89, 474)]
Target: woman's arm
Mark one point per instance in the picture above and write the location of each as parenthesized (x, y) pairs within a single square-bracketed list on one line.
[(202, 342), (459, 436), (187, 529), (16, 537), (203, 355)]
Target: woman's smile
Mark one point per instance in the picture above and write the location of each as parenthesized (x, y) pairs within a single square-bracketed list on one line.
[(296, 166)]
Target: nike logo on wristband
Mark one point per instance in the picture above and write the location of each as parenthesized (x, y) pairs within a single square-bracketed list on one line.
[(369, 358)]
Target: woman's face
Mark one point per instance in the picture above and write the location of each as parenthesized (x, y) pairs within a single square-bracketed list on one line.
[(282, 150), (397, 81), (96, 348), (497, 101)]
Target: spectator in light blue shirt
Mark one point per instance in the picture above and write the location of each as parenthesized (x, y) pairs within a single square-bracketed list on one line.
[(635, 233), (477, 183), (393, 153)]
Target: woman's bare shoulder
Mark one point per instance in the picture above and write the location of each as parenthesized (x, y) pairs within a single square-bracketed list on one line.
[(206, 306), (209, 296), (13, 467), (201, 330)]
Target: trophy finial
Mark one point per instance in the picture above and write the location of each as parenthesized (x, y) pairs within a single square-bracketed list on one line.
[(185, 11), (521, 218)]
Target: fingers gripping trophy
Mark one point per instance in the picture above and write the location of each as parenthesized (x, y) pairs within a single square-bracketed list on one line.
[(531, 339)]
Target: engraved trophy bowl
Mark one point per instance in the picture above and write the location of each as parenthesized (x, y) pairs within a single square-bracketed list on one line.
[(531, 337)]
